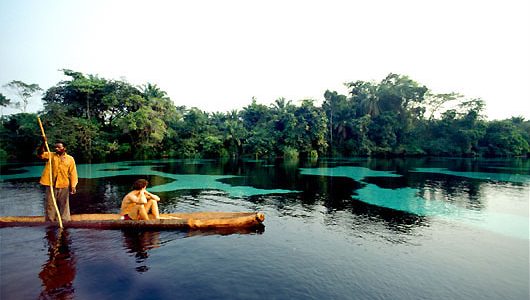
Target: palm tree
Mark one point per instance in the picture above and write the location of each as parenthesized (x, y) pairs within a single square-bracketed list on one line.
[(151, 91), (281, 105), (370, 106)]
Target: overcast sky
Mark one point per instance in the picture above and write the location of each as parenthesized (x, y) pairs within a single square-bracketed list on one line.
[(217, 55)]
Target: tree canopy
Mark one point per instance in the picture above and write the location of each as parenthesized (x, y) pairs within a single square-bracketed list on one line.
[(101, 119)]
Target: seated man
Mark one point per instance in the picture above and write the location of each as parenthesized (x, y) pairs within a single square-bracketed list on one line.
[(137, 203)]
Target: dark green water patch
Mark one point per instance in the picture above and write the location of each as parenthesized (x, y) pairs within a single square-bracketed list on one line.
[(11, 170)]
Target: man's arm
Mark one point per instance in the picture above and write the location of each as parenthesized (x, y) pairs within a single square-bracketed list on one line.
[(42, 148), (142, 197), (151, 196), (73, 177)]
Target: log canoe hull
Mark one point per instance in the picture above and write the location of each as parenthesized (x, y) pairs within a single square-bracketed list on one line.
[(196, 220)]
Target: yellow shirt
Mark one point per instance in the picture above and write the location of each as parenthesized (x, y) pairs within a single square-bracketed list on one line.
[(64, 170)]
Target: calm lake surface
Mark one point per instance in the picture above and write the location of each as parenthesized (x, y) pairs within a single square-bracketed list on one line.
[(334, 229)]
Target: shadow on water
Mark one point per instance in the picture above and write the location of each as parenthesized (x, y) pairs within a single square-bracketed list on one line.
[(58, 273)]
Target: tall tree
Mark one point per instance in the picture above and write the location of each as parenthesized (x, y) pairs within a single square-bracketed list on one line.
[(363, 94), (4, 102), (18, 136), (400, 93), (283, 125), (258, 123), (311, 129), (339, 111), (504, 138), (24, 91), (81, 94), (435, 102), (254, 114), (234, 133), (146, 130)]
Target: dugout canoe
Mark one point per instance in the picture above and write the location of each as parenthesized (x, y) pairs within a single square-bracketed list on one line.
[(196, 220)]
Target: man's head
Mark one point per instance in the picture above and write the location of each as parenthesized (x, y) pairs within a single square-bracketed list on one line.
[(140, 184), (60, 147)]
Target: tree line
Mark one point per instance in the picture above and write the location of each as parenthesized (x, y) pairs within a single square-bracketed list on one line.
[(101, 119)]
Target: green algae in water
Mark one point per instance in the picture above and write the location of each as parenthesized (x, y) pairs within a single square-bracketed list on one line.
[(355, 173), (408, 200)]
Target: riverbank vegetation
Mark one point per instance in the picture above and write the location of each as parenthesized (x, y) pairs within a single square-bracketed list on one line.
[(101, 119)]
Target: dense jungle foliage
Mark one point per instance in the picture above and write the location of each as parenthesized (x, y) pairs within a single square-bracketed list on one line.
[(100, 119)]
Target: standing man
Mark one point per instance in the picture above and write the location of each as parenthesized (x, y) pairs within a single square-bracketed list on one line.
[(64, 179)]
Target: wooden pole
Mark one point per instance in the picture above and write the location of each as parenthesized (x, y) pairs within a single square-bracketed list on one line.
[(51, 174)]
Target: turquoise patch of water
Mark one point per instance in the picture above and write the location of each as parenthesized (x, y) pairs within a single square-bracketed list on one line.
[(408, 200), (404, 199), (355, 173), (185, 182)]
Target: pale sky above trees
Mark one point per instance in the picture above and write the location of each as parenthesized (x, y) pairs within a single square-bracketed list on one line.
[(217, 55)]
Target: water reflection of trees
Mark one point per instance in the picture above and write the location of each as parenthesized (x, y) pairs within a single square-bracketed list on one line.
[(461, 192), (58, 273)]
